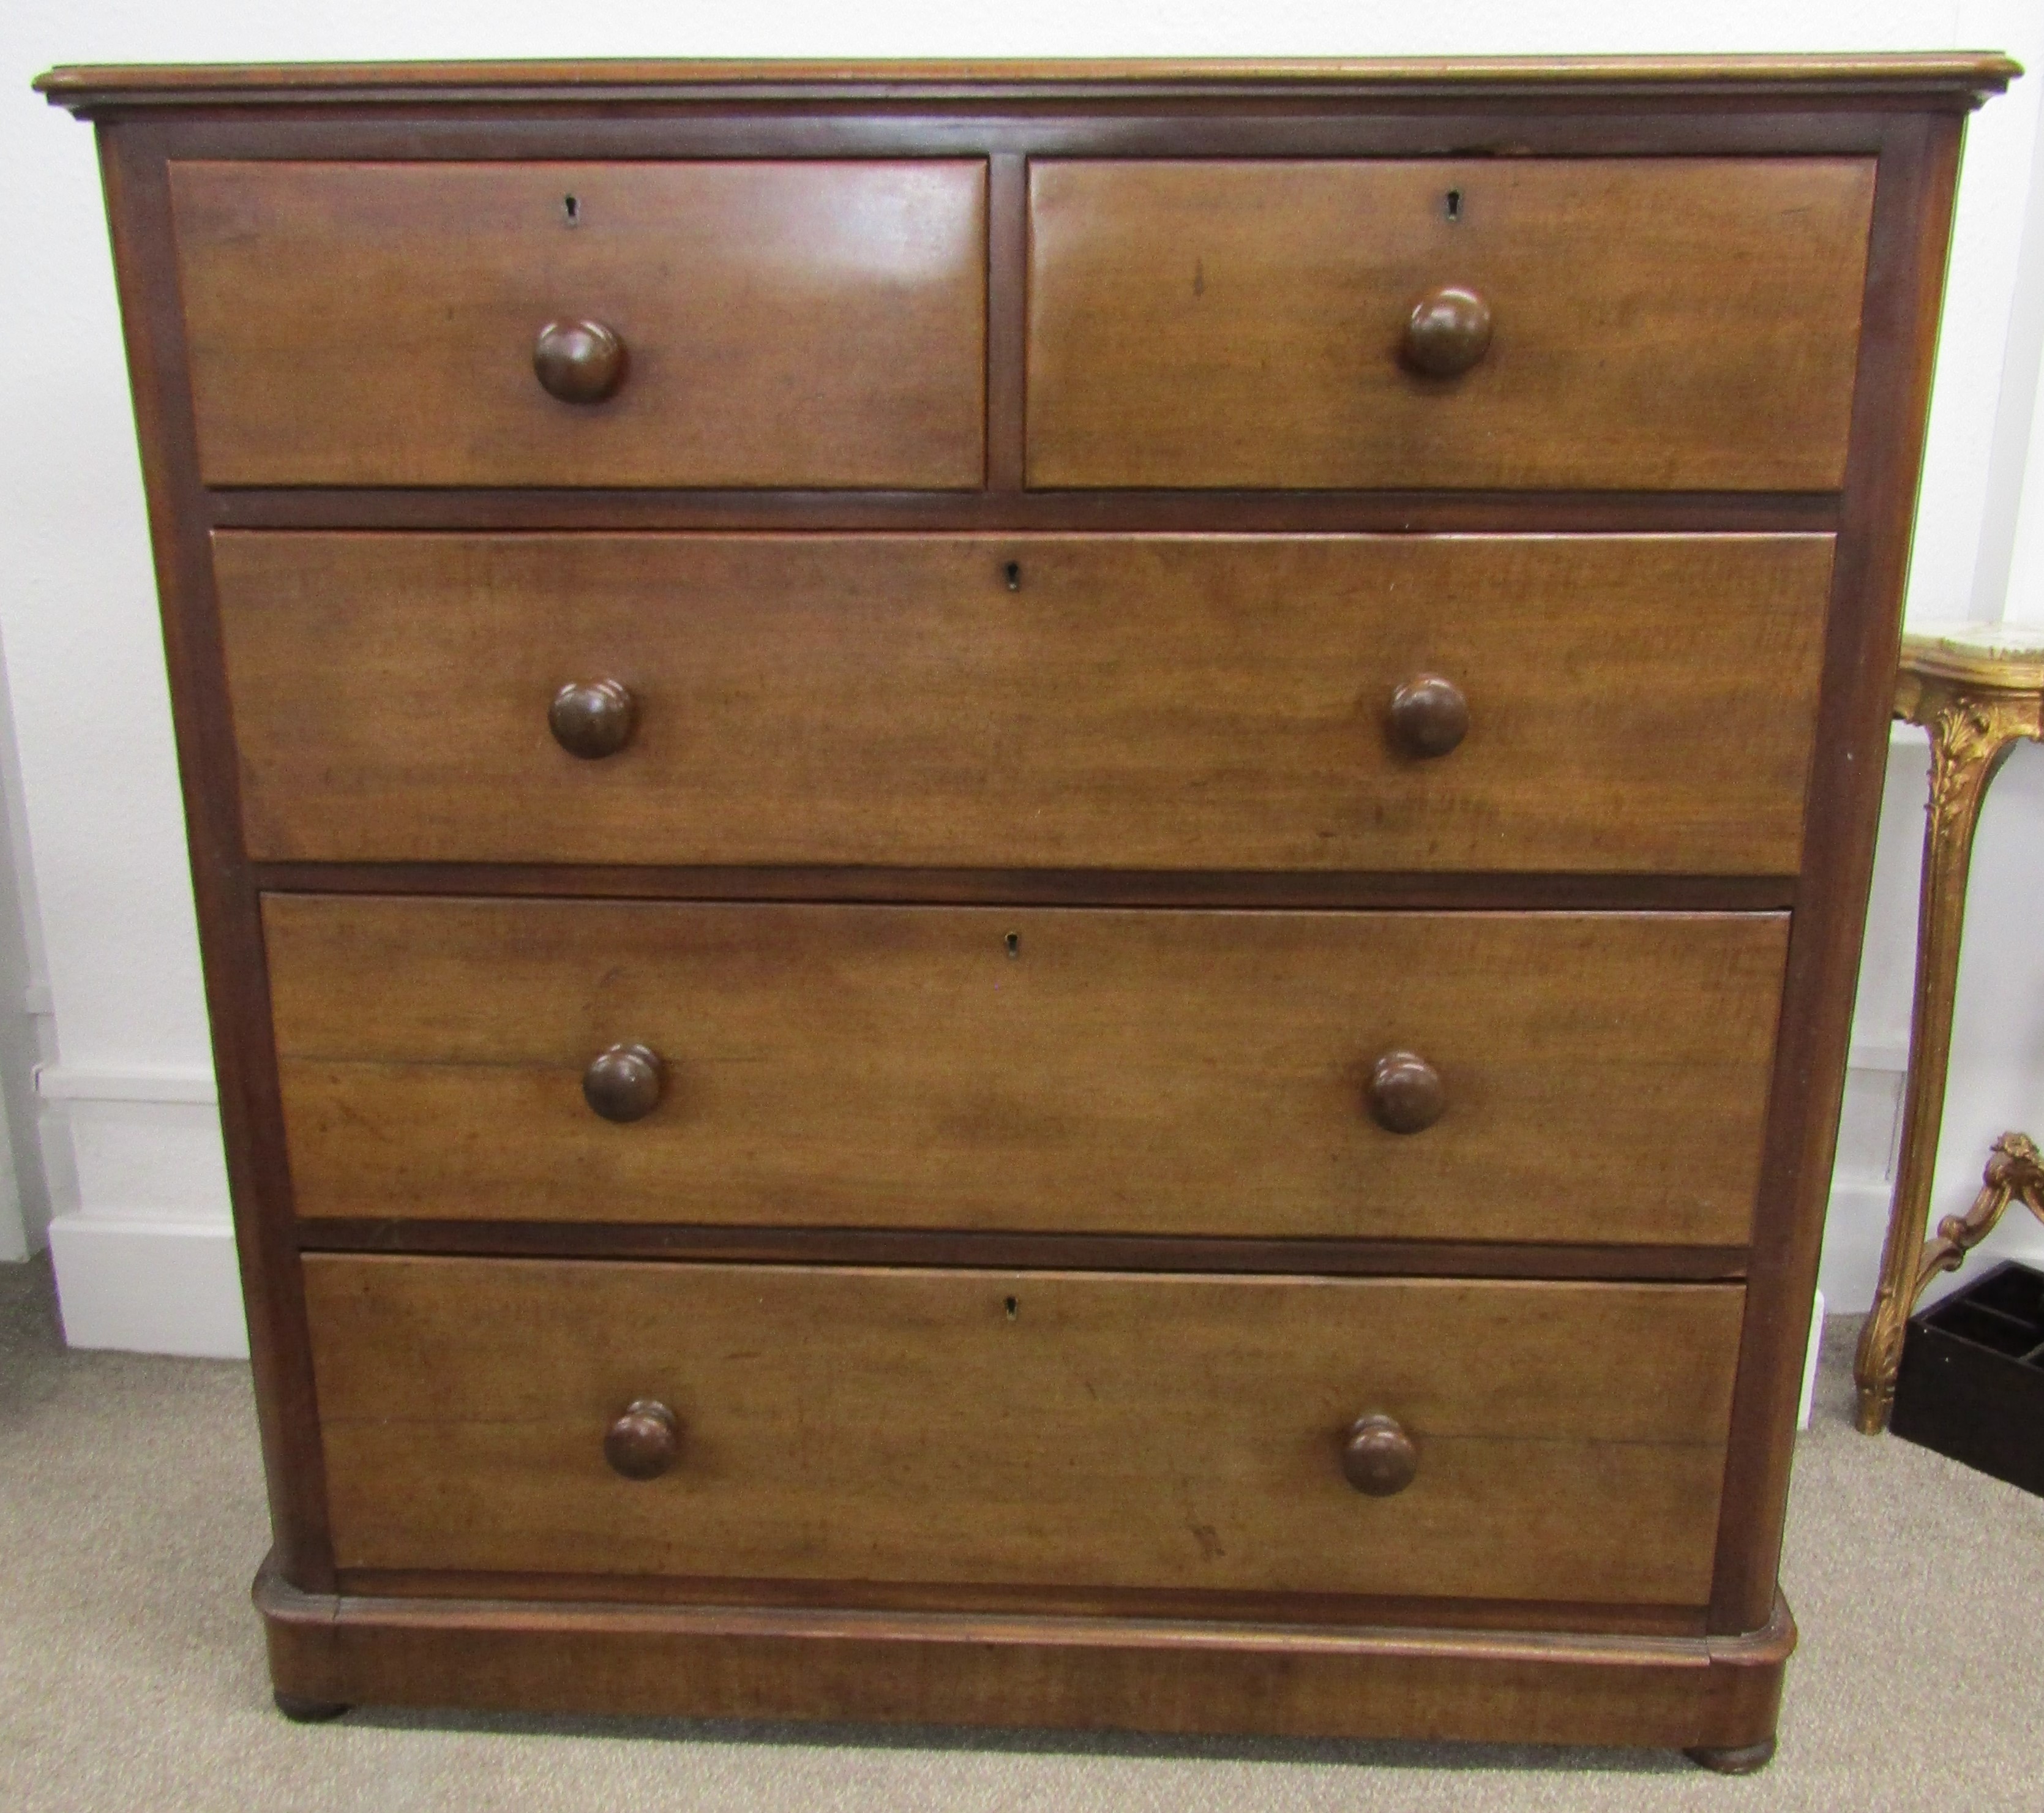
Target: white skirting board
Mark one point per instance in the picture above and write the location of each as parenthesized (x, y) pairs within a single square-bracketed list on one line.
[(144, 1259), (149, 1286), (1810, 1361)]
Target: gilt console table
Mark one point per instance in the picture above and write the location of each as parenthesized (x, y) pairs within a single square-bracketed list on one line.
[(1030, 892), (1978, 691)]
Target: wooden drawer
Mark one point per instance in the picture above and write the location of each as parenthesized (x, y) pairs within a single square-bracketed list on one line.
[(1015, 1429), (1604, 1078), (794, 324), (1634, 702), (1668, 323)]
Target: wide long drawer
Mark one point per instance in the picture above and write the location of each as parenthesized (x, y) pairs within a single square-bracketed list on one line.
[(1566, 703), (755, 323), (1582, 1077), (1596, 323), (1538, 1441)]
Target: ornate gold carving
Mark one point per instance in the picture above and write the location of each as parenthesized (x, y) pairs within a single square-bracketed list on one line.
[(2014, 1173), (1976, 709), (1970, 737), (2001, 657)]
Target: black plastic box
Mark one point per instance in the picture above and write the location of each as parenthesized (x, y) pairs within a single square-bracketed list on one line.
[(1971, 1382)]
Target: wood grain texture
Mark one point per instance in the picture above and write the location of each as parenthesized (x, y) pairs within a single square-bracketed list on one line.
[(1156, 1665), (1533, 893), (1637, 703), (976, 1248), (785, 324), (133, 167), (1145, 1071), (1905, 284), (1009, 512), (1073, 1673), (1925, 77), (1204, 1605), (1303, 125), (1006, 321), (1221, 324), (1011, 1427)]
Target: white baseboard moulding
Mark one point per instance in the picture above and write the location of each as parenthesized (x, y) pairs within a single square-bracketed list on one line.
[(133, 1083), (1810, 1361), (146, 1285), (145, 1262)]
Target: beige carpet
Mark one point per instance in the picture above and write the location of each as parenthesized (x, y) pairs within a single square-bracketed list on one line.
[(132, 1680)]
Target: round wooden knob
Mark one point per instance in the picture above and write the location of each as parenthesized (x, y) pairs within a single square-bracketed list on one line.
[(643, 1443), (1429, 715), (592, 718), (579, 361), (623, 1083), (1405, 1093), (1378, 1457), (1447, 332)]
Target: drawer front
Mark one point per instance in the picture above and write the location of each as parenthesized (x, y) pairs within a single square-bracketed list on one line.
[(1632, 703), (1599, 1078), (1667, 323), (811, 324), (1017, 1429)]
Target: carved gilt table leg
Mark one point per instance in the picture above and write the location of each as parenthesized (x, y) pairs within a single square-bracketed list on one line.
[(1977, 699), (2014, 1173)]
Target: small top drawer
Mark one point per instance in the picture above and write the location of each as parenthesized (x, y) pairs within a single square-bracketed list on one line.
[(1680, 323), (754, 324)]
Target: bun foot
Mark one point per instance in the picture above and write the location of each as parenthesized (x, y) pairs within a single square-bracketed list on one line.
[(303, 1711), (1737, 1759)]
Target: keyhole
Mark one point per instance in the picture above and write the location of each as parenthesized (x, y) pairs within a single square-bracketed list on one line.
[(1012, 1306), (1014, 944), (1013, 573), (1454, 205), (572, 208)]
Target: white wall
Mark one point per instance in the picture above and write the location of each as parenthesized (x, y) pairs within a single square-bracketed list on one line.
[(24, 1197), (141, 1239)]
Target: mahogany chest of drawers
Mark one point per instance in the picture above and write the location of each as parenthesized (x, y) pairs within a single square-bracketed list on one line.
[(1030, 894)]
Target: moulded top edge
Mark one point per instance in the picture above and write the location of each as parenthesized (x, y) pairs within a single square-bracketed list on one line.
[(1964, 77)]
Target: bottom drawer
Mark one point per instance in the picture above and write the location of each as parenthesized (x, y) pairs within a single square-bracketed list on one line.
[(1019, 1429)]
